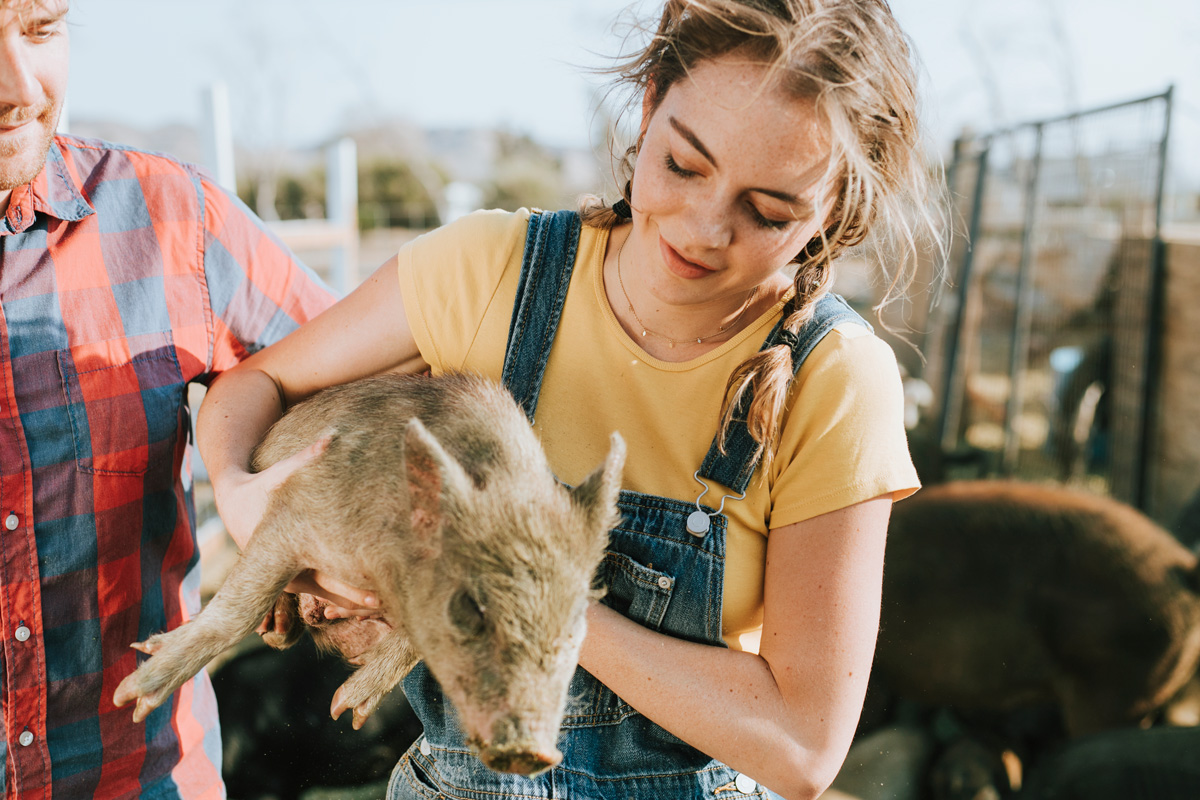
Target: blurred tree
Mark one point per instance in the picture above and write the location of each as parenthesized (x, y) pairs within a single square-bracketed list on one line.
[(301, 196), (525, 174), (390, 195)]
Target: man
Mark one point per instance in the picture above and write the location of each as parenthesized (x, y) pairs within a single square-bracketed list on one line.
[(124, 276)]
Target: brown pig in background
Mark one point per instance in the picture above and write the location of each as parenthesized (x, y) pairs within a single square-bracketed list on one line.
[(1001, 595), (435, 494)]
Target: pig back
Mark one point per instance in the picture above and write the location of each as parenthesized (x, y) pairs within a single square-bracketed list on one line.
[(474, 418), (998, 594)]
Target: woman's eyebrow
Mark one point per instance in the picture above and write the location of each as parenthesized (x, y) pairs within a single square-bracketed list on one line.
[(687, 133), (693, 140)]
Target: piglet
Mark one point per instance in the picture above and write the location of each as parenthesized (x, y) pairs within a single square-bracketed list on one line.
[(435, 494)]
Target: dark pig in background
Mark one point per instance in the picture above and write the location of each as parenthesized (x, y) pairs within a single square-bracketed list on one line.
[(1001, 595), (435, 494), (1161, 763)]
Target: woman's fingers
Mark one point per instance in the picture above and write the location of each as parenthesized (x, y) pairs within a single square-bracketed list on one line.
[(242, 499), (281, 470), (350, 601)]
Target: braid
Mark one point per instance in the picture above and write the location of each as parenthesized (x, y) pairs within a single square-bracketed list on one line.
[(767, 375)]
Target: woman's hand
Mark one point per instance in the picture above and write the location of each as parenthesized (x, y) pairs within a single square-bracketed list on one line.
[(242, 497), (344, 601)]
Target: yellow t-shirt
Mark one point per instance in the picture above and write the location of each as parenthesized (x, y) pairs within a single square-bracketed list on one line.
[(842, 439)]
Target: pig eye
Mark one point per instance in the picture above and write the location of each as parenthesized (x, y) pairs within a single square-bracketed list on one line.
[(466, 614)]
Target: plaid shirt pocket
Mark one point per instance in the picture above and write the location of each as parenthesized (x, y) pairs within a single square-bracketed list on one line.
[(124, 398)]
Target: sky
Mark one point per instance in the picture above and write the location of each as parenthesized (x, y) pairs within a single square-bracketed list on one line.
[(300, 71)]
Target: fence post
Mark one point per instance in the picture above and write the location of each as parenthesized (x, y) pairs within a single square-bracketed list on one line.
[(341, 209), (951, 399), (1157, 306), (1023, 319), (217, 133)]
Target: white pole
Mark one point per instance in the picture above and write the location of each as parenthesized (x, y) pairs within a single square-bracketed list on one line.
[(341, 209), (64, 119), (217, 134)]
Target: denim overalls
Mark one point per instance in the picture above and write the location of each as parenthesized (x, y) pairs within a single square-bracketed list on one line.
[(656, 573)]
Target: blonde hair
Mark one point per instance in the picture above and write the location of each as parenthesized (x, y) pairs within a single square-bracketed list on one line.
[(852, 60)]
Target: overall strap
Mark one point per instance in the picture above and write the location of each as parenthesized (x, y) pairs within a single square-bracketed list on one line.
[(737, 464), (550, 247)]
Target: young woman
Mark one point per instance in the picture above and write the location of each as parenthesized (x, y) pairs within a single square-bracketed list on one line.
[(694, 317)]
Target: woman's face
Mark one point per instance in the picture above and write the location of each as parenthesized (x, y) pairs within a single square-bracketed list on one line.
[(728, 183)]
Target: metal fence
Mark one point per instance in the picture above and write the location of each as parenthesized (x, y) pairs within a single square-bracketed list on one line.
[(1048, 343)]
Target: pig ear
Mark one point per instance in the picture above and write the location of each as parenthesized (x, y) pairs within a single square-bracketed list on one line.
[(435, 481), (597, 494)]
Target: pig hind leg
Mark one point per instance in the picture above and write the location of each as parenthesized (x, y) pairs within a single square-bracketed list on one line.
[(384, 666), (248, 593)]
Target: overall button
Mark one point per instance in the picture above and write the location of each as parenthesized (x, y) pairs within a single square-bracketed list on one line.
[(22, 634), (11, 522), (26, 738), (745, 784), (664, 582)]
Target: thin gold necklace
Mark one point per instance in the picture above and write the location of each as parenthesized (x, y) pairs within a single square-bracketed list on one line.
[(672, 342)]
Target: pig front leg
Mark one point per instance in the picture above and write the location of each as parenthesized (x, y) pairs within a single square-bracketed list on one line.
[(249, 592), (384, 666)]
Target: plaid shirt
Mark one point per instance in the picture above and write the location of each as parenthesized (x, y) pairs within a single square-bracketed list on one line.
[(123, 277)]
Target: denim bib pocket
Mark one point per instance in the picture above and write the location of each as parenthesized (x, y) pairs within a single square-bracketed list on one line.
[(635, 590), (409, 782)]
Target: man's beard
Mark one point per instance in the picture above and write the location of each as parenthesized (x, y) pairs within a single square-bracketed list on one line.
[(21, 161)]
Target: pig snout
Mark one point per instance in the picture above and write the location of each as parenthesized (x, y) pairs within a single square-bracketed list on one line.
[(517, 749), (519, 759)]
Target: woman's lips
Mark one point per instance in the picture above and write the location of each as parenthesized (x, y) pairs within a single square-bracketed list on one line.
[(679, 265)]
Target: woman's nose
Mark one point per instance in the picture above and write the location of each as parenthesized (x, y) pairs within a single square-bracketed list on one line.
[(710, 224)]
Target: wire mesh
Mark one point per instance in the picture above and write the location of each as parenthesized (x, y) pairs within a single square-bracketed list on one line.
[(1051, 350)]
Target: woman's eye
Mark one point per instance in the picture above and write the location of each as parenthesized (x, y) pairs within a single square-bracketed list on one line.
[(766, 222), (673, 166)]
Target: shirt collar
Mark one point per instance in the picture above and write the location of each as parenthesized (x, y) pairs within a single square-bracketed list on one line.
[(53, 192)]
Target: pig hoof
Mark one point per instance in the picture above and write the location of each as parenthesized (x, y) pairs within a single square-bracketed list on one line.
[(362, 713), (339, 705), (132, 689), (149, 647), (342, 701), (279, 641)]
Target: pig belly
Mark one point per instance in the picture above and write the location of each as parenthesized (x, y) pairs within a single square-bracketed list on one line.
[(348, 637)]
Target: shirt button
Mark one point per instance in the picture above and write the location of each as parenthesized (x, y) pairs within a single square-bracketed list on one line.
[(22, 634), (745, 784), (11, 522), (425, 748), (26, 738), (664, 582)]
